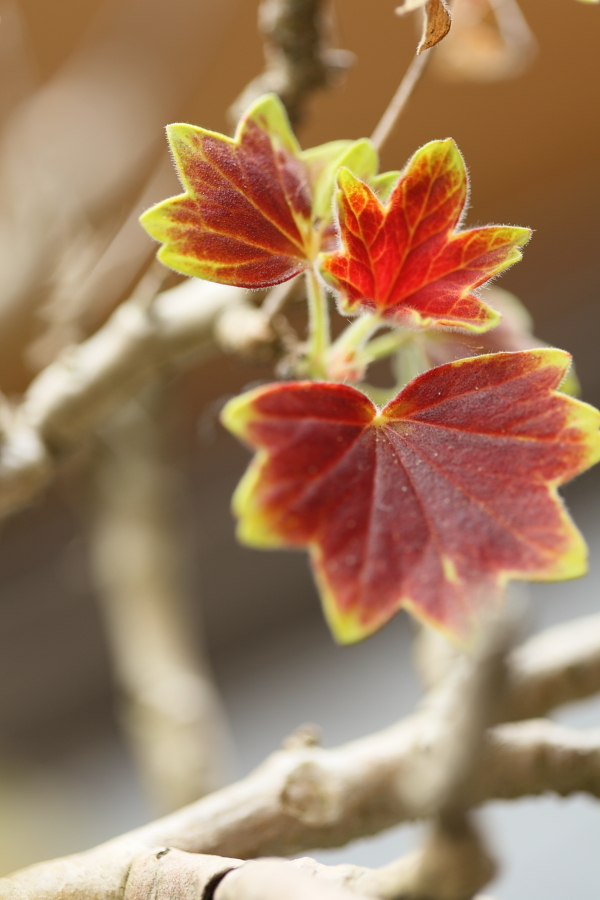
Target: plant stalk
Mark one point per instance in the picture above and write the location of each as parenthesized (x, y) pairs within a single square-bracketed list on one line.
[(385, 345), (318, 326), (396, 106), (355, 336)]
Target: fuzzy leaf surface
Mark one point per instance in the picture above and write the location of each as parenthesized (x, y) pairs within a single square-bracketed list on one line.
[(256, 208), (431, 503), (407, 259), (515, 332)]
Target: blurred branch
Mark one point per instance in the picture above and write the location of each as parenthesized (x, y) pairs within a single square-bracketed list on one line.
[(297, 59), (101, 116), (305, 879), (397, 104), (449, 866), (87, 383), (171, 709), (165, 873), (272, 879), (560, 665), (536, 756), (557, 666), (306, 796), (18, 71), (453, 862)]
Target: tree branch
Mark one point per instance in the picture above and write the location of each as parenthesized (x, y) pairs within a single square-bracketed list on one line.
[(557, 666), (304, 797), (170, 705), (162, 873), (297, 59), (76, 393), (560, 665)]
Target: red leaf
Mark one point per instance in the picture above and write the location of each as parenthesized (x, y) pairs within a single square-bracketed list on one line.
[(432, 503), (405, 259), (245, 216), (515, 332), (256, 209)]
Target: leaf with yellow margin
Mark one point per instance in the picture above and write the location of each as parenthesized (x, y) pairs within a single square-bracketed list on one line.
[(256, 208), (431, 503), (406, 259)]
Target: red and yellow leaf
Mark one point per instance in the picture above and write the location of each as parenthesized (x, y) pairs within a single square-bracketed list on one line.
[(405, 259), (431, 503), (244, 217), (256, 208), (515, 332)]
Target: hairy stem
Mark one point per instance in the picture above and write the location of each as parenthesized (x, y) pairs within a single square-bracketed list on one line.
[(384, 346), (318, 326), (409, 362), (355, 336)]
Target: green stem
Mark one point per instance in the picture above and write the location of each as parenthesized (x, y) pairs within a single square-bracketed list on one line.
[(318, 326), (383, 346), (357, 334), (410, 362), (380, 396)]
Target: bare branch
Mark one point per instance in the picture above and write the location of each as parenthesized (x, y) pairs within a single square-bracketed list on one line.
[(297, 59), (272, 879), (306, 796), (325, 798), (78, 392), (170, 705), (164, 873), (557, 666), (534, 757)]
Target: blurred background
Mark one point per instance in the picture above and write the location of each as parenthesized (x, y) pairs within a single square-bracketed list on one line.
[(86, 87)]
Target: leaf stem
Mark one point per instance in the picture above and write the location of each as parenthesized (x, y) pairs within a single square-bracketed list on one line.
[(357, 333), (386, 124), (344, 358), (380, 396), (410, 362), (383, 346), (318, 326)]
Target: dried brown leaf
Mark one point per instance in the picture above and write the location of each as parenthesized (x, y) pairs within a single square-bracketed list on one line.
[(436, 22)]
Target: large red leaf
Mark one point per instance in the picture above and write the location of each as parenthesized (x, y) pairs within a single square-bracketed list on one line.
[(405, 259), (432, 503), (256, 209), (515, 332)]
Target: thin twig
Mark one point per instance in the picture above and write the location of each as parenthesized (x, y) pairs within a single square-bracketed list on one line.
[(81, 389), (386, 124)]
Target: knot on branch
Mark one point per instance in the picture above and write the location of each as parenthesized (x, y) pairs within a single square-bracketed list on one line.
[(308, 735), (310, 794)]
